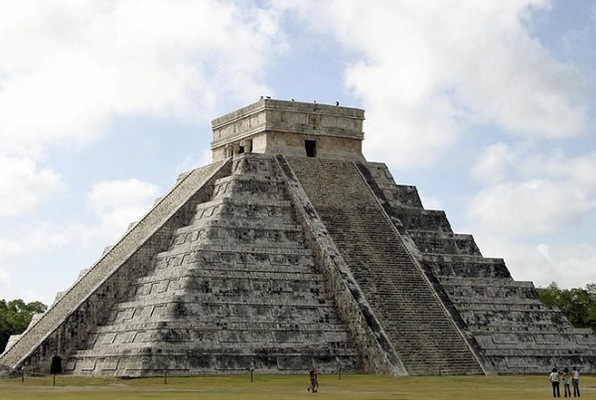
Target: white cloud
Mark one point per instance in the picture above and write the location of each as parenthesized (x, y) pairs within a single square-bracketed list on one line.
[(527, 192), (119, 203), (39, 258), (536, 209), (493, 163), (429, 70), (579, 170), (4, 282), (68, 67), (43, 237), (430, 202), (500, 162), (195, 160), (569, 265), (115, 204), (573, 265), (530, 207), (40, 249), (24, 185)]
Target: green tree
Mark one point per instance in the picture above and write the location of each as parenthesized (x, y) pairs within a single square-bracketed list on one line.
[(15, 316), (578, 305), (549, 295)]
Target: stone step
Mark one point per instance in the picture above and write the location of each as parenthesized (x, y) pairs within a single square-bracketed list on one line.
[(393, 285), (240, 206), (236, 249)]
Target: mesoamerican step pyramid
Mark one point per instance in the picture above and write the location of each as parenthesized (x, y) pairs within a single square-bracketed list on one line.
[(290, 250)]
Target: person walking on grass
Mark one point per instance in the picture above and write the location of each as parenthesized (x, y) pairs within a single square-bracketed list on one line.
[(554, 380), (314, 380)]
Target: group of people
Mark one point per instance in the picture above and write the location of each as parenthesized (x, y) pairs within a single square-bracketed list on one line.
[(568, 379)]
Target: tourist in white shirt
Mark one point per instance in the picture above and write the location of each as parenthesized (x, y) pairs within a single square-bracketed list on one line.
[(554, 380), (575, 382)]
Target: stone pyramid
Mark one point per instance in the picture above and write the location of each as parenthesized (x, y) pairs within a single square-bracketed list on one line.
[(291, 250)]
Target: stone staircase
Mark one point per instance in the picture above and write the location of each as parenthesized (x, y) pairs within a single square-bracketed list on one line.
[(516, 332), (236, 290), (420, 329)]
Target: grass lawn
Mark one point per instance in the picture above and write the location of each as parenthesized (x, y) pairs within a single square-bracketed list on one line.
[(282, 387)]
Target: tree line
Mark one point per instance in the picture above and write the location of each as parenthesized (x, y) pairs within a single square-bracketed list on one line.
[(578, 305)]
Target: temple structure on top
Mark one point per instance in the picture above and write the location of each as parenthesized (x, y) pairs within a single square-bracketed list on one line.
[(289, 250), (290, 128)]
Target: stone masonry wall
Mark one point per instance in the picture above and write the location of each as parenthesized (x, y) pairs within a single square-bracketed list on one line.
[(66, 324), (236, 288)]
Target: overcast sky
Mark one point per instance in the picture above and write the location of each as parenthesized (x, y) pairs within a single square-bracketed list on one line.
[(486, 106)]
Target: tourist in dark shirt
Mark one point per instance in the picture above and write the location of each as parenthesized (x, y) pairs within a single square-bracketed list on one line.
[(314, 380)]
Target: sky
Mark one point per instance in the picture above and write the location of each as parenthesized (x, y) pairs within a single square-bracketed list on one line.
[(486, 106)]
